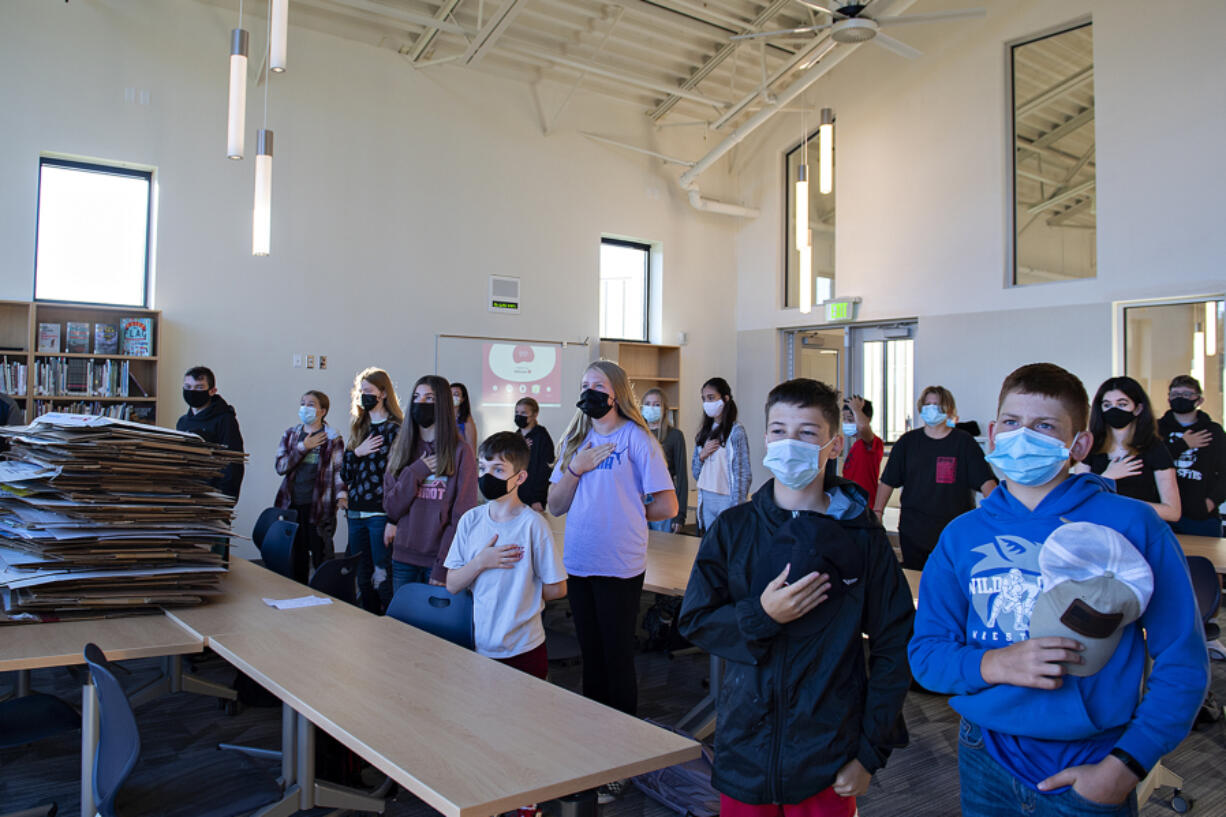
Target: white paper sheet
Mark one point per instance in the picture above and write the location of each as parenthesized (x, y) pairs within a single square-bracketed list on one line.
[(294, 604)]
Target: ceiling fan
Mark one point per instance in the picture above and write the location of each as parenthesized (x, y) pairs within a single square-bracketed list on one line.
[(849, 24)]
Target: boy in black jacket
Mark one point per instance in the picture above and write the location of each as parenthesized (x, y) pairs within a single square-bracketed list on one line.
[(212, 419), (1198, 446), (783, 587)]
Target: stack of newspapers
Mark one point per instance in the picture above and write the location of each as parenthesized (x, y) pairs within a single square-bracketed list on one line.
[(102, 517)]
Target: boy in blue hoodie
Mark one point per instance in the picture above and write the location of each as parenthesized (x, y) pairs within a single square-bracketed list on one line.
[(1034, 739)]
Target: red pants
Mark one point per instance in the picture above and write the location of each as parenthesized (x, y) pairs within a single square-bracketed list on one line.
[(534, 662), (823, 804)]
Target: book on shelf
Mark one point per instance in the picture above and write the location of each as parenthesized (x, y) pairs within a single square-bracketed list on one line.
[(76, 340), (48, 337), (117, 411), (13, 378), (106, 339), (136, 336), (76, 377)]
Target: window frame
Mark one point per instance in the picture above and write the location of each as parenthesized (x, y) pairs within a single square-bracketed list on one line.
[(646, 249), (106, 169)]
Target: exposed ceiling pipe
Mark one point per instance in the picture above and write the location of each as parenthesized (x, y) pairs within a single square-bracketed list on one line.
[(719, 207)]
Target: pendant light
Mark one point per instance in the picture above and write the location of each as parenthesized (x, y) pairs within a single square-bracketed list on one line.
[(825, 152), (261, 212), (279, 14), (802, 206), (806, 276), (804, 237), (236, 120)]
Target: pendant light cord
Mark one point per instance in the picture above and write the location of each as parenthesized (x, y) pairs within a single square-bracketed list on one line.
[(267, 61)]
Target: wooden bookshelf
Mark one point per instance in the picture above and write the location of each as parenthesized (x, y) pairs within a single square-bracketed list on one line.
[(19, 323), (649, 366)]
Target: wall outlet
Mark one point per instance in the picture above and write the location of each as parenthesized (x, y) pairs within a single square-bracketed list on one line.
[(323, 361), (310, 361), (297, 361)]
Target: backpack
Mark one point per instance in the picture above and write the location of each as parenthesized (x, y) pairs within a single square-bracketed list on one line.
[(686, 787)]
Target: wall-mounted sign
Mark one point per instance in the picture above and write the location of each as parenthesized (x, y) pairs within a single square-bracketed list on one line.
[(844, 309), (504, 294)]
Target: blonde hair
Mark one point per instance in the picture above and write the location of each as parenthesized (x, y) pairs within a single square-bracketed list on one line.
[(944, 395), (359, 425), (660, 433), (625, 404)]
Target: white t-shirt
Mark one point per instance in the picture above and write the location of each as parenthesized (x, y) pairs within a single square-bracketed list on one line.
[(606, 526), (507, 602)]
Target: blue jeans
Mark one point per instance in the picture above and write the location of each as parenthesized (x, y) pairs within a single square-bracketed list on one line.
[(404, 573), (989, 790), (1199, 527), (710, 506), (366, 540), (665, 525)]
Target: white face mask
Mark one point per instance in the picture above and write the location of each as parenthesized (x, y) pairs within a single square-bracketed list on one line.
[(712, 408), (794, 463)]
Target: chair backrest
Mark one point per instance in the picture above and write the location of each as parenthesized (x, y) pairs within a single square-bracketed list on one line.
[(436, 611), (265, 520), (338, 578), (1205, 586), (118, 738), (283, 554)]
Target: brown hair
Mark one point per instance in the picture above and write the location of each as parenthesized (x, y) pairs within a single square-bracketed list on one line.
[(359, 426), (626, 406), (1185, 381), (407, 446), (321, 398), (805, 392), (1050, 380), (943, 394), (530, 402), (508, 446)]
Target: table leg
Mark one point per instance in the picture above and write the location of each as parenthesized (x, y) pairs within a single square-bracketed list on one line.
[(306, 763), (289, 745), (89, 747), (23, 683), (700, 721)]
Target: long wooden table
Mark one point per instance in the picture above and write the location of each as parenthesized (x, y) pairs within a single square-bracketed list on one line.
[(1212, 548)]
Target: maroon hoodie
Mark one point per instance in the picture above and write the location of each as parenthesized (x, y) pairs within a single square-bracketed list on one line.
[(426, 509)]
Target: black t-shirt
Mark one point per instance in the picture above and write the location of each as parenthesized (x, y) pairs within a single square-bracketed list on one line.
[(540, 466), (1142, 486), (938, 477)]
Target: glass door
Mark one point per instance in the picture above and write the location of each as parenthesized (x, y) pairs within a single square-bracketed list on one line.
[(882, 370), (1168, 339)]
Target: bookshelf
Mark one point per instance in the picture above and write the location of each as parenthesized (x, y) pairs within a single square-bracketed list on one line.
[(649, 366), (85, 380)]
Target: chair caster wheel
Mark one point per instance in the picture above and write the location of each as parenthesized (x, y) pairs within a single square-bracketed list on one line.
[(1179, 803)]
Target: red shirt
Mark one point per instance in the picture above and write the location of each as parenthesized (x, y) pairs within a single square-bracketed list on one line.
[(863, 465)]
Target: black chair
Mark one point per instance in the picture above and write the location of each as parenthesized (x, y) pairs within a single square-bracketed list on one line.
[(1208, 591), (338, 578), (28, 719), (436, 611), (265, 520), (196, 783), (282, 554)]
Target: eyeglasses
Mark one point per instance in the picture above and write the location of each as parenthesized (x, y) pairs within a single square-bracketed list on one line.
[(1191, 395)]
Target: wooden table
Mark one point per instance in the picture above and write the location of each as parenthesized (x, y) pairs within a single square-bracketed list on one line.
[(1213, 549), (24, 647)]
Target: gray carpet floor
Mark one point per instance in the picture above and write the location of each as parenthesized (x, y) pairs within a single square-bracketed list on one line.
[(920, 780)]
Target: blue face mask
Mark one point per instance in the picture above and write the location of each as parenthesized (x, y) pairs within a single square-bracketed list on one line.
[(652, 414), (1026, 457), (794, 463), (932, 415), (306, 414), (850, 430)]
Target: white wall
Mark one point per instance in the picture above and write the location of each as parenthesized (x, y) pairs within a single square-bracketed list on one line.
[(922, 208), (396, 192)]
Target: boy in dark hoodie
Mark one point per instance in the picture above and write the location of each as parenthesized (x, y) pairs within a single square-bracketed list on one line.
[(1198, 446), (212, 419), (1036, 740), (782, 588)]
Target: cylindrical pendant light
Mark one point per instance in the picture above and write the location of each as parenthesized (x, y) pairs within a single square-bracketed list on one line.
[(802, 206), (806, 277), (236, 121), (261, 221), (279, 33), (825, 152)]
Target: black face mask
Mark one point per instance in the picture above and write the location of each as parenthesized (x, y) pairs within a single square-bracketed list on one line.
[(369, 401), (422, 414), (521, 421), (594, 404), (1183, 405), (493, 487), (1118, 417), (196, 398)]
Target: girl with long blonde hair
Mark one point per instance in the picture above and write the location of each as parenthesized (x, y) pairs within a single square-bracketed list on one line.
[(610, 465), (656, 413)]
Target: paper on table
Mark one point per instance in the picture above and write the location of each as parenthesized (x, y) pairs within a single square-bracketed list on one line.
[(294, 604)]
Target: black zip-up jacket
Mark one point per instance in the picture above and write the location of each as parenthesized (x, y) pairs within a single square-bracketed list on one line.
[(1200, 472), (798, 701), (217, 423)]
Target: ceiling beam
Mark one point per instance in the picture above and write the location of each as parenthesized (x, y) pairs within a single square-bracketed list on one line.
[(1056, 91), (1064, 215), (493, 30), (399, 15), (1064, 129), (717, 59), (426, 37), (1060, 198), (819, 49)]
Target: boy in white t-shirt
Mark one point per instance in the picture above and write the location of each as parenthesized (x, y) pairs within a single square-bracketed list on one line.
[(488, 554)]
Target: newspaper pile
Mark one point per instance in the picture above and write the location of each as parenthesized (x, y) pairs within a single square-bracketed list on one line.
[(100, 517)]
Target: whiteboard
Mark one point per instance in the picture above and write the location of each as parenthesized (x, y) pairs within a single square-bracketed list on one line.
[(499, 371)]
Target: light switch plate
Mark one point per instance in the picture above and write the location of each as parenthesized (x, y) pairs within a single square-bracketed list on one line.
[(297, 361)]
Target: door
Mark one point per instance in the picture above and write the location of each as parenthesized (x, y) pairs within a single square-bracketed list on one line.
[(881, 368)]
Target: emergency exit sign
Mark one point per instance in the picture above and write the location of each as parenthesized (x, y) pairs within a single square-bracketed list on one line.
[(841, 310)]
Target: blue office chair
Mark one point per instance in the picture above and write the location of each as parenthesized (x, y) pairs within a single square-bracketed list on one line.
[(28, 719), (282, 554), (188, 787), (1208, 591), (436, 611), (265, 520), (338, 578)]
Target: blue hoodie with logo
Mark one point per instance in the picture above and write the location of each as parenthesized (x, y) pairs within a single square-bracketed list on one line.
[(978, 591)]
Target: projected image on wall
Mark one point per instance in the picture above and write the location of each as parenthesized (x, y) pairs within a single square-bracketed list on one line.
[(515, 370)]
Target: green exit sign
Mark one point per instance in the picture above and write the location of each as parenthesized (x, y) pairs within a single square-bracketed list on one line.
[(841, 310), (505, 306)]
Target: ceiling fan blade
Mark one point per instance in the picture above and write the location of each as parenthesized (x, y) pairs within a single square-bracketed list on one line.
[(898, 47), (759, 35), (822, 7), (931, 17)]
